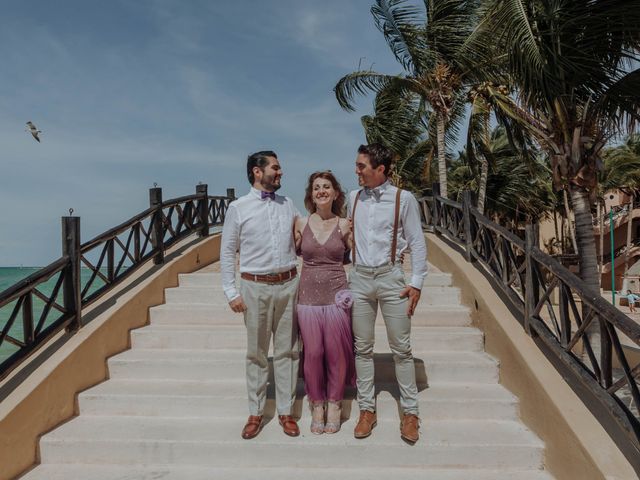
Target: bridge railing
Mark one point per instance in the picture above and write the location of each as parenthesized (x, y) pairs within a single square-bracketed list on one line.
[(588, 340), (52, 299)]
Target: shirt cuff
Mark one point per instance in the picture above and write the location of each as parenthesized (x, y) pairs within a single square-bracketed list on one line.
[(416, 281), (231, 294)]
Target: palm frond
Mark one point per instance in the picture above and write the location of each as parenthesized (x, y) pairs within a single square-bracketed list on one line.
[(361, 83), (399, 22)]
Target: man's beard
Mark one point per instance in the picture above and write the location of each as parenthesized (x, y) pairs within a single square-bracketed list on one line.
[(267, 183)]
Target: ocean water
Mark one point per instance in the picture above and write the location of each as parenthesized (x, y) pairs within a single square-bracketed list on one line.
[(10, 276)]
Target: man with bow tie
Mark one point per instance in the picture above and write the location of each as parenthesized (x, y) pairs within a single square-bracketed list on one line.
[(259, 225), (386, 224)]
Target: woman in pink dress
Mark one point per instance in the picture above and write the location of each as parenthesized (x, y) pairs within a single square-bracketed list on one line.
[(324, 303)]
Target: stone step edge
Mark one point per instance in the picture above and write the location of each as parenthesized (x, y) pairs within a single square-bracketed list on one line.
[(532, 441), (238, 353), (132, 469)]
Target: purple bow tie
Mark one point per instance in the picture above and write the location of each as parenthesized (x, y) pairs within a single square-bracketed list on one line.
[(264, 195)]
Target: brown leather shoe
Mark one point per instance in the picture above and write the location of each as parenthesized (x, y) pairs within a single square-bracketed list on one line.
[(252, 427), (366, 422), (289, 425), (409, 428)]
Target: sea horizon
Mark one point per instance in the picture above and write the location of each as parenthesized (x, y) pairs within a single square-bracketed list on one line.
[(9, 276)]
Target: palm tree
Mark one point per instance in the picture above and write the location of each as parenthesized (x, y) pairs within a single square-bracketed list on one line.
[(572, 64), (513, 171), (431, 49), (403, 127)]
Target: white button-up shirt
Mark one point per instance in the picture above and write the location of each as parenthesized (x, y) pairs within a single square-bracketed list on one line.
[(373, 223), (262, 230)]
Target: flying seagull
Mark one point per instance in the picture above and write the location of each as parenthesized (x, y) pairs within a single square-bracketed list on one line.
[(33, 130)]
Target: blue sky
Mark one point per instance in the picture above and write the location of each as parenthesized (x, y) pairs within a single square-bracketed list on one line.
[(128, 93)]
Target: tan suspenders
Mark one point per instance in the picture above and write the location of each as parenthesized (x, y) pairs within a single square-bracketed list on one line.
[(394, 240)]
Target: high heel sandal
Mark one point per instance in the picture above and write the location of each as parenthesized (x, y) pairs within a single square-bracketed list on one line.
[(334, 414), (317, 417)]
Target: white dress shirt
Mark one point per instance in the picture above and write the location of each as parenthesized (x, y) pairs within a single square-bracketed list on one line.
[(262, 230), (374, 220)]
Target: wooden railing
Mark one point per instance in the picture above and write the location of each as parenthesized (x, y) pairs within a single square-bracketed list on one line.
[(86, 272), (588, 340)]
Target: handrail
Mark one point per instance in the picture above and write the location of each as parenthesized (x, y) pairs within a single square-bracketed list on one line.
[(109, 258), (583, 335), (117, 230), (37, 325), (36, 278)]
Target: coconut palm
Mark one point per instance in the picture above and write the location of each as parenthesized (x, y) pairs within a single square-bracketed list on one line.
[(430, 46), (513, 171), (573, 66), (403, 127)]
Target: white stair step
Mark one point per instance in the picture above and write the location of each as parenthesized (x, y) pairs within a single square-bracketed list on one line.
[(224, 364), (224, 400), (221, 315), (208, 296), (353, 472), (149, 440), (213, 279), (230, 337)]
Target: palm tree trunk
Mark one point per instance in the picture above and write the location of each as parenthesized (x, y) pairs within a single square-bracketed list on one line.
[(629, 229), (588, 263), (572, 232), (562, 221), (584, 235), (442, 157), (426, 169), (555, 224), (482, 187), (484, 164)]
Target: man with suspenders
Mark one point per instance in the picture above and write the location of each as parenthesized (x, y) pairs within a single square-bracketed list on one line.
[(386, 223)]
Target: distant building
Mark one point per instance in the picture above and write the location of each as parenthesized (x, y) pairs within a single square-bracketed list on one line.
[(619, 203)]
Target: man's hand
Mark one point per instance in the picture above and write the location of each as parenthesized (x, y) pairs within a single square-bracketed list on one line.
[(414, 295), (238, 306)]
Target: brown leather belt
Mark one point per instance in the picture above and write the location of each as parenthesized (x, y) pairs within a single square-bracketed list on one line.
[(270, 277)]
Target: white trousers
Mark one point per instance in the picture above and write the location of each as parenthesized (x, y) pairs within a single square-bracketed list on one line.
[(373, 286), (271, 312)]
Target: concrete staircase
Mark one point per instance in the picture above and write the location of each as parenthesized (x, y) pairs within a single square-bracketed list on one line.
[(175, 404)]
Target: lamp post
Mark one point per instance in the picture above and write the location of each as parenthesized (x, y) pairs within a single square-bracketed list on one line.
[(613, 267)]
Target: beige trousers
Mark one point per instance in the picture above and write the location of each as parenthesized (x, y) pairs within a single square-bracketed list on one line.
[(373, 286), (271, 312)]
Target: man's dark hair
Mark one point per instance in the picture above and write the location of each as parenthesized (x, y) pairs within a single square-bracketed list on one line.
[(260, 160), (378, 155)]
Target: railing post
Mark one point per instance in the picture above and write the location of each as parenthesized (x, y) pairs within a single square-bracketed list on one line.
[(27, 319), (231, 196), (202, 190), (528, 287), (155, 201), (71, 288), (466, 219), (531, 286), (111, 261), (435, 188)]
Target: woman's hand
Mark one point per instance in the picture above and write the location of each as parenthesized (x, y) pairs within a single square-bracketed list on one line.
[(298, 227), (347, 232)]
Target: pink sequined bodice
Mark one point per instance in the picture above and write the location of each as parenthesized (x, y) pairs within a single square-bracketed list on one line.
[(322, 273)]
